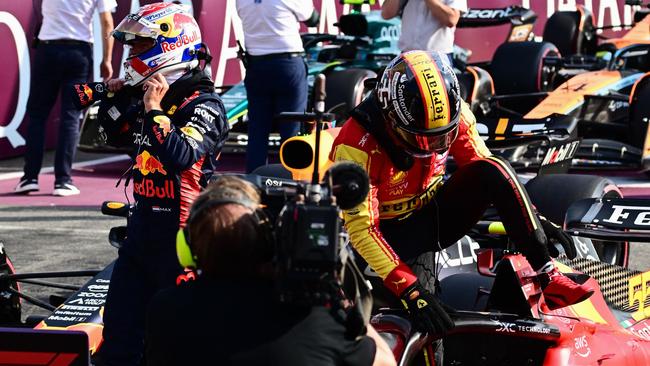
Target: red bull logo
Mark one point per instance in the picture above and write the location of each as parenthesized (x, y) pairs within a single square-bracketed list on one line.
[(181, 41), (147, 164), (85, 94), (148, 188)]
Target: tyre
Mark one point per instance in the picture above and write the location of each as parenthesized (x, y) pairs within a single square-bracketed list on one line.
[(517, 68), (563, 30), (345, 90), (553, 194)]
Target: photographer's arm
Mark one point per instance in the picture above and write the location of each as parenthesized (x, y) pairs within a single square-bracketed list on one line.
[(305, 12), (391, 8), (383, 354), (447, 16), (106, 22)]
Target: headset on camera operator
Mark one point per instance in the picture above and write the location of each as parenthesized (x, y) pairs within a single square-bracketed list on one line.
[(233, 313), (166, 109)]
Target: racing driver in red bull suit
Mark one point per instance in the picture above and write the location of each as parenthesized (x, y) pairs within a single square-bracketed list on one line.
[(402, 135), (166, 108)]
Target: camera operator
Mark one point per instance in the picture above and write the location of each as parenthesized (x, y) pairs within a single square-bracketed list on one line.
[(231, 313), (167, 110)]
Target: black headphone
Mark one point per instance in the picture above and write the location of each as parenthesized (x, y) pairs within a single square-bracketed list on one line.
[(262, 222)]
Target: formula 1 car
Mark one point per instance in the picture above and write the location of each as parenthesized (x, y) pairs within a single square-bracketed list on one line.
[(500, 314), (595, 93), (501, 317)]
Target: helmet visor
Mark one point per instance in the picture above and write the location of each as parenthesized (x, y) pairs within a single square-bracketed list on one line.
[(132, 27), (423, 144)]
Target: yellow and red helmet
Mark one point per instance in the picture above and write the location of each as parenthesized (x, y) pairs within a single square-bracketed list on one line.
[(174, 37), (419, 96)]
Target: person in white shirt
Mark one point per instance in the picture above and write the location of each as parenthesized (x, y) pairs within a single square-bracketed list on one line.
[(426, 24), (276, 74), (63, 57)]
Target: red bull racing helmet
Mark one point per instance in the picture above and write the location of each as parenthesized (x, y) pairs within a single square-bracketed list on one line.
[(420, 98), (174, 38)]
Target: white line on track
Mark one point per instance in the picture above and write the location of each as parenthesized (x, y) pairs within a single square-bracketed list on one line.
[(53, 229), (110, 159)]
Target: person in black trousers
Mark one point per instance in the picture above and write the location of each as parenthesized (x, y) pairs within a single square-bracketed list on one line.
[(63, 58)]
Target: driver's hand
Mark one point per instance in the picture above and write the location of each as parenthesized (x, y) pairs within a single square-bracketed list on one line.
[(555, 234), (114, 85), (427, 313)]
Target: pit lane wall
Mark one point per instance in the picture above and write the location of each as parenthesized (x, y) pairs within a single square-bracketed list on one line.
[(221, 28)]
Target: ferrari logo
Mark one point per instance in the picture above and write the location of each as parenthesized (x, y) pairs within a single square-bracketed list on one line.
[(421, 303)]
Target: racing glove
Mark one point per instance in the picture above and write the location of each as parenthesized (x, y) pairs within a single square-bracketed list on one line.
[(427, 313), (555, 234)]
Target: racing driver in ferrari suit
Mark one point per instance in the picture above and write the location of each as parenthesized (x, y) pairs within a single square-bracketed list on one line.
[(401, 134), (166, 108)]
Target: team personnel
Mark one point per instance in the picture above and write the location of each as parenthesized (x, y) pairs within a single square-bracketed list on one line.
[(426, 24), (276, 74), (231, 313), (402, 135), (167, 109), (63, 57)]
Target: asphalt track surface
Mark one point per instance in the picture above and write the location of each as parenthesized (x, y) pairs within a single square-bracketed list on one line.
[(45, 233)]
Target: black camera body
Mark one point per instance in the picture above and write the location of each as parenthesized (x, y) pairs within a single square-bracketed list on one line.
[(308, 229), (309, 239)]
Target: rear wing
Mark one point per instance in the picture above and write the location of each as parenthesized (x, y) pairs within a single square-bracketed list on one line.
[(550, 143), (615, 219), (513, 129)]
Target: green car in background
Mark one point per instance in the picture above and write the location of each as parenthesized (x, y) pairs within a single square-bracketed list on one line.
[(365, 46)]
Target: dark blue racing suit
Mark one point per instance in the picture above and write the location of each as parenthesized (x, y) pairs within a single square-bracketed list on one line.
[(174, 155)]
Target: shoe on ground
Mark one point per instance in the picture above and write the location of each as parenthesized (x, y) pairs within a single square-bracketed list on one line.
[(26, 186), (65, 189), (560, 291)]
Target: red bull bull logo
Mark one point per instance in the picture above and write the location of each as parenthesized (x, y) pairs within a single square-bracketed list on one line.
[(147, 164)]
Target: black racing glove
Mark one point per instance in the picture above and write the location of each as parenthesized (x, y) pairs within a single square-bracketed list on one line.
[(427, 313), (555, 234)]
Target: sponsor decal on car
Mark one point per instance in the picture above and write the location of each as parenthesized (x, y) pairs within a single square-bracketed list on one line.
[(581, 346)]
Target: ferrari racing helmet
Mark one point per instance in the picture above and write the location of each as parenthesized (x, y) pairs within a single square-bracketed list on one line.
[(174, 36), (419, 96)]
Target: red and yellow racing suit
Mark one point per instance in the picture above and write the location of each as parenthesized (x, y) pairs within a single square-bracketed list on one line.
[(398, 194)]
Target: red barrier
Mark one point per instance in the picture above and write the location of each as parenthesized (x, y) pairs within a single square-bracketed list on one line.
[(221, 27)]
